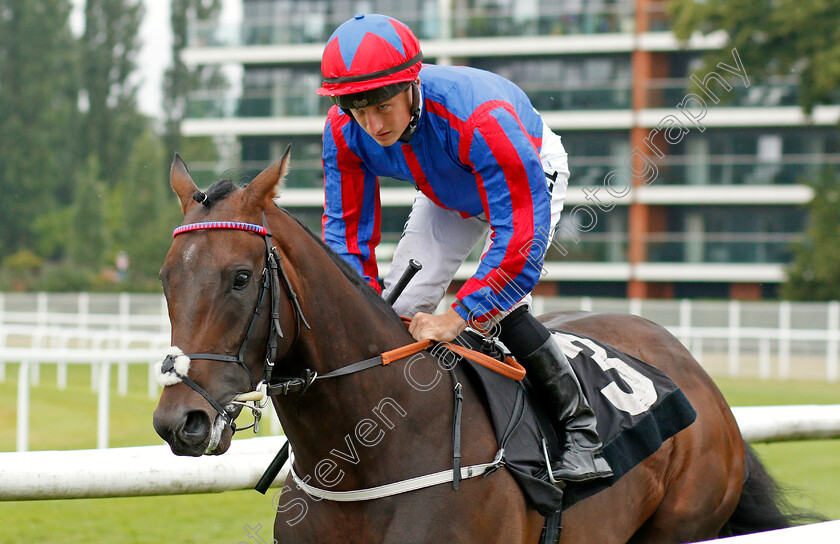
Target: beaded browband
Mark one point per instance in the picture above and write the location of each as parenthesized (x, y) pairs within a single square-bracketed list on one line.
[(235, 225)]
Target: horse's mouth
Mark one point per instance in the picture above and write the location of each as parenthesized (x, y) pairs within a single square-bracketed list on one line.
[(219, 440), (190, 442)]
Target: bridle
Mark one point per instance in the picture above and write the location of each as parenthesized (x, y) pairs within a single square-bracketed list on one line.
[(272, 275)]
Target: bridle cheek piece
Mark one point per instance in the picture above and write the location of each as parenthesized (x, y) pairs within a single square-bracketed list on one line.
[(175, 365)]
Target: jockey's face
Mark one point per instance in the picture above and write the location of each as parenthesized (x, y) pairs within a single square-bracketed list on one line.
[(386, 121)]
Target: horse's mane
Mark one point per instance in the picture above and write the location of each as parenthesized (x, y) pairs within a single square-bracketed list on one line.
[(348, 271)]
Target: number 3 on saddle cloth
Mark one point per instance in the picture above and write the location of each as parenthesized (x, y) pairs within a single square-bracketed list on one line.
[(637, 408)]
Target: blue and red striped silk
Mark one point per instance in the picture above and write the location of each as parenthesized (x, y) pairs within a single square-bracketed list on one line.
[(475, 151)]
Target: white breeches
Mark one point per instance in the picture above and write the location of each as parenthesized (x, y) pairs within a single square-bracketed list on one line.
[(442, 240)]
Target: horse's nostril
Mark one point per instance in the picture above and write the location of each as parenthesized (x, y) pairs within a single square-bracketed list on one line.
[(196, 427)]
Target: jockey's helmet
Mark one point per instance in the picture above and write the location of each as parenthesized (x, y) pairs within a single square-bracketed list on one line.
[(368, 60)]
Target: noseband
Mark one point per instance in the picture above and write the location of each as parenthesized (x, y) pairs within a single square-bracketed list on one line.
[(272, 274)]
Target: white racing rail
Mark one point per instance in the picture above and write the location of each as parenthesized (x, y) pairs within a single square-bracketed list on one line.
[(817, 533), (154, 470), (137, 471), (780, 423)]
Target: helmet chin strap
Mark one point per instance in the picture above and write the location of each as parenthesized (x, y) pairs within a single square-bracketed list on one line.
[(405, 137), (415, 113)]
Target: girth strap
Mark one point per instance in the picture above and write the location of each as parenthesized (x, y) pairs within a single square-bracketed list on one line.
[(552, 528), (456, 432), (396, 488)]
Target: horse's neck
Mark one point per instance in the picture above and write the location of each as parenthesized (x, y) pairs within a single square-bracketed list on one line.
[(346, 321), (347, 326)]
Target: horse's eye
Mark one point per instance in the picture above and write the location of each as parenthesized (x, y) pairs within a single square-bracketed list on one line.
[(241, 280)]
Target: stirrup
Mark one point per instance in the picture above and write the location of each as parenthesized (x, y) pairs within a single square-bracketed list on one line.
[(559, 483)]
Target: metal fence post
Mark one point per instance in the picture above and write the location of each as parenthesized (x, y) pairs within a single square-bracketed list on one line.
[(635, 306), (2, 335), (103, 402), (22, 431), (685, 322), (734, 347), (784, 339), (831, 366), (764, 358)]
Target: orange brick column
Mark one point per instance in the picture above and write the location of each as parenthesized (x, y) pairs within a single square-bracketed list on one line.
[(642, 218)]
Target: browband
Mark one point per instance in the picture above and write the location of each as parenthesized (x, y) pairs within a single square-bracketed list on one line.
[(235, 225)]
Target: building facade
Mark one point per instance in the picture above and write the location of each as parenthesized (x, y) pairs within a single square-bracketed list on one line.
[(685, 181)]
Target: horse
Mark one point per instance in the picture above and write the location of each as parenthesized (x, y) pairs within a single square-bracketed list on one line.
[(253, 295)]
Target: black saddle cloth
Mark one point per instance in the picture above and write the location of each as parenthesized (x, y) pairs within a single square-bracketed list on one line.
[(637, 408)]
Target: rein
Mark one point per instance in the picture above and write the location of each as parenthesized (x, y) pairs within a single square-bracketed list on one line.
[(272, 274), (175, 367), (510, 368)]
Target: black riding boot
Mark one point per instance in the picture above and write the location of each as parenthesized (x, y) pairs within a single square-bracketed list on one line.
[(552, 375)]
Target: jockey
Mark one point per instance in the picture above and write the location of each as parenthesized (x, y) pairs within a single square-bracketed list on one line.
[(487, 168)]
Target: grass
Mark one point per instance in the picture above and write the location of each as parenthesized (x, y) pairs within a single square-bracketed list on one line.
[(808, 470), (811, 467)]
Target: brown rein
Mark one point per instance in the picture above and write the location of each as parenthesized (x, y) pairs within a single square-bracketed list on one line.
[(510, 368)]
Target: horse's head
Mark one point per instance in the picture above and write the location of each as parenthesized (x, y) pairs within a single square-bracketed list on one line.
[(219, 289)]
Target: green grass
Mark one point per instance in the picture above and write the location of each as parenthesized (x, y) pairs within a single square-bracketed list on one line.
[(809, 470), (67, 420)]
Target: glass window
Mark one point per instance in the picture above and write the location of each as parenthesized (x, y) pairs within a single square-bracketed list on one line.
[(307, 172), (567, 82), (593, 154), (674, 83), (758, 156), (313, 21), (278, 91), (728, 234), (541, 17)]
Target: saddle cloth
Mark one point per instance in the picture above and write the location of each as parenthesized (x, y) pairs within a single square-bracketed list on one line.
[(637, 408)]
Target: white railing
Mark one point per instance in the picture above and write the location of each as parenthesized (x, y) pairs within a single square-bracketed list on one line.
[(827, 532), (131, 472), (781, 423), (100, 362), (154, 470), (764, 339), (735, 338), (784, 340)]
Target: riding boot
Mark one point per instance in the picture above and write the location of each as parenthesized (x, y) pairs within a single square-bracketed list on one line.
[(552, 376)]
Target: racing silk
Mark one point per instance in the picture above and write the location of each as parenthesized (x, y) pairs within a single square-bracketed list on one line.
[(476, 151)]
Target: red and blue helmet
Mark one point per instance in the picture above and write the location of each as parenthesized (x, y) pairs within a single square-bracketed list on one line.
[(369, 59)]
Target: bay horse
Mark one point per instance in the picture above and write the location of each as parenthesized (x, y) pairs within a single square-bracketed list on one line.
[(391, 423)]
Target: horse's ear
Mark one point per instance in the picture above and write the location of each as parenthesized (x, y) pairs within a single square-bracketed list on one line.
[(268, 184), (182, 183)]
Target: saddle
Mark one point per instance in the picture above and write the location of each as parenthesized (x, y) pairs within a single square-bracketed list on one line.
[(636, 405)]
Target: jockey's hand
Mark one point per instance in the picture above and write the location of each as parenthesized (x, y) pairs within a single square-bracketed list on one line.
[(440, 328)]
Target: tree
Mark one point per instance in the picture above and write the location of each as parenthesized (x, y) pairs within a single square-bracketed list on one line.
[(773, 37), (816, 267), (110, 46), (179, 79), (784, 37), (89, 243), (38, 115), (144, 211)]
